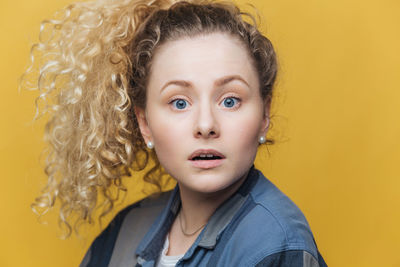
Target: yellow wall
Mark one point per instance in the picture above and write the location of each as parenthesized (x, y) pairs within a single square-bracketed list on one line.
[(336, 123)]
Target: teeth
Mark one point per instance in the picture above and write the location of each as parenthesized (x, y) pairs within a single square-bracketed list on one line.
[(206, 155)]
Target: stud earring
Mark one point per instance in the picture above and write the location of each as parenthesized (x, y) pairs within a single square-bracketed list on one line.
[(262, 140), (150, 145)]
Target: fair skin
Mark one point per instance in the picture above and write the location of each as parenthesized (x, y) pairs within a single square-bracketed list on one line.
[(203, 93)]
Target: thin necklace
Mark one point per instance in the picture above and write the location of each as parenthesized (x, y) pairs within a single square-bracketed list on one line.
[(183, 231)]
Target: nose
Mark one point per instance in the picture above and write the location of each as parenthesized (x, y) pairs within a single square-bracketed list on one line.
[(206, 123)]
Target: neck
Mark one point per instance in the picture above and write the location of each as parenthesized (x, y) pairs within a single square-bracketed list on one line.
[(198, 207)]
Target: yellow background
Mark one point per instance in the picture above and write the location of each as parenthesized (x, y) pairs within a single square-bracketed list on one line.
[(336, 122)]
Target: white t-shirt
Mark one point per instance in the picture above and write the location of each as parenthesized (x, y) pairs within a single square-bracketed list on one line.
[(167, 261)]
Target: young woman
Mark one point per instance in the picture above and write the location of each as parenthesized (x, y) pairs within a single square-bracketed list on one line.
[(190, 85)]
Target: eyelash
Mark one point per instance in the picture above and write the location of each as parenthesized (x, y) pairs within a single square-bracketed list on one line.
[(239, 101), (176, 99), (229, 96)]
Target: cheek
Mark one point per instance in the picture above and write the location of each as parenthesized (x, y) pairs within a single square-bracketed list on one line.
[(243, 132), (168, 138)]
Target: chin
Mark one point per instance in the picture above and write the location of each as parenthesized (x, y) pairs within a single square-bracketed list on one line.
[(210, 185), (208, 189)]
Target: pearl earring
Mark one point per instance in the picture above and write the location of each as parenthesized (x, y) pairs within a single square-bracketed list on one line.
[(262, 140), (150, 145)]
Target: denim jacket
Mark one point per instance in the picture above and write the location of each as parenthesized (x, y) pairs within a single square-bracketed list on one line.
[(257, 226)]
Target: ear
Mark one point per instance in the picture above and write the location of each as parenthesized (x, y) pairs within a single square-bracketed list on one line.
[(266, 119), (143, 124)]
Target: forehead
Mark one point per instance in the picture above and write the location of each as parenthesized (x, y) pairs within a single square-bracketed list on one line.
[(209, 56)]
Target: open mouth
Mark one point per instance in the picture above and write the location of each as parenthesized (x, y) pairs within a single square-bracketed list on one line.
[(206, 157)]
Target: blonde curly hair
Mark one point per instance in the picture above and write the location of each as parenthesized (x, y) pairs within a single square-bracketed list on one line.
[(91, 68)]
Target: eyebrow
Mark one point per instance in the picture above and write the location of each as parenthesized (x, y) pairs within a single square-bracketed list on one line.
[(220, 82)]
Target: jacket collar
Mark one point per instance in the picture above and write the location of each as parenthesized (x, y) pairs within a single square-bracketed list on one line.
[(151, 245)]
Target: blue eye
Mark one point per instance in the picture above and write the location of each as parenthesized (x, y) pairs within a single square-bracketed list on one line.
[(179, 103), (230, 102)]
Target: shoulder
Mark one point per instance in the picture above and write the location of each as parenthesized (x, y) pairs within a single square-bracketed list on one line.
[(290, 258), (133, 218), (277, 226), (281, 213)]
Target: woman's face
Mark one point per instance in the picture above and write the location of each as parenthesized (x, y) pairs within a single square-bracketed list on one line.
[(203, 99)]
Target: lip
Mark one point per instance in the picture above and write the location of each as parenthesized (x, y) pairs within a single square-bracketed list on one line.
[(206, 164), (206, 151)]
